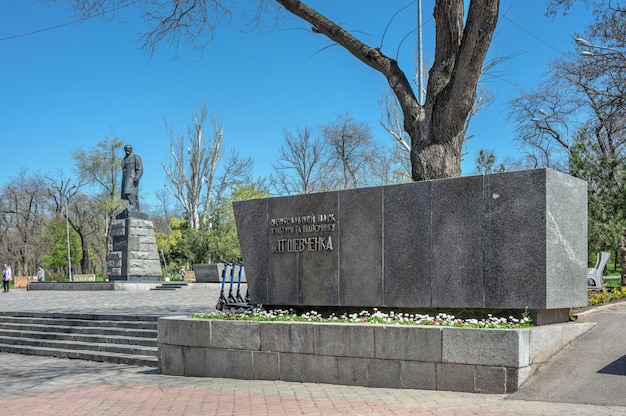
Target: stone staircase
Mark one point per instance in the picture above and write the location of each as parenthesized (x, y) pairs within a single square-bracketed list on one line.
[(122, 339)]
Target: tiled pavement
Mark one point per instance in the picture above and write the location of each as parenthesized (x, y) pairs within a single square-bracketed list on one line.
[(48, 386)]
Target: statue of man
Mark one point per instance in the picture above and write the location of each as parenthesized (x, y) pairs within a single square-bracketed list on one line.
[(132, 170)]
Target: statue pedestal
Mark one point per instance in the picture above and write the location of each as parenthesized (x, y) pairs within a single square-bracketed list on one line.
[(133, 254)]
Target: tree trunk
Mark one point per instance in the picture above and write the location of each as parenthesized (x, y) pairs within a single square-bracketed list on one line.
[(438, 128), (84, 262)]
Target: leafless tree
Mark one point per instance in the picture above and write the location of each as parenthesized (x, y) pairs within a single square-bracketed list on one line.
[(299, 165), (193, 176), (580, 112), (540, 132), (84, 217), (392, 166), (392, 117), (24, 212), (351, 153), (436, 129)]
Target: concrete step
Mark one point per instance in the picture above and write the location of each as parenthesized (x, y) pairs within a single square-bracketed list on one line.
[(81, 337), (170, 286), (81, 345), (93, 330), (106, 338), (105, 357), (20, 320), (84, 316)]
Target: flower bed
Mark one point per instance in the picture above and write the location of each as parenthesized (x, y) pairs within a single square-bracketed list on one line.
[(605, 296), (375, 317)]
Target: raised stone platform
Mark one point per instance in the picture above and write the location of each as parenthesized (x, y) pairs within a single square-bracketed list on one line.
[(124, 286), (435, 358)]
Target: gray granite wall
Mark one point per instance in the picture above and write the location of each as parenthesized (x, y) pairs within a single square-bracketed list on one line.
[(510, 240), (414, 357)]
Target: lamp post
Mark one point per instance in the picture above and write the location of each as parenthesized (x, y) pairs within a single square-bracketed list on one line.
[(420, 64), (67, 225), (545, 120), (587, 44)]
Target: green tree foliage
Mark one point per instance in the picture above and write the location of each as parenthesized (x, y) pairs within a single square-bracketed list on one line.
[(99, 168), (486, 163), (55, 236), (606, 196)]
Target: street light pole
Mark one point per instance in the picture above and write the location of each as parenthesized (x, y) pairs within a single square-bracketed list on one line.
[(420, 64), (67, 226), (67, 230), (587, 44)]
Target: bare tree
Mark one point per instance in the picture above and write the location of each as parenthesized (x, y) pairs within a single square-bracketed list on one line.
[(436, 129), (194, 179), (351, 153), (392, 117), (298, 168), (579, 113), (84, 216), (541, 135), (23, 208)]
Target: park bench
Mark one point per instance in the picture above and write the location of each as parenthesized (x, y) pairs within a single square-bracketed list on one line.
[(594, 275), (84, 278), (21, 282)]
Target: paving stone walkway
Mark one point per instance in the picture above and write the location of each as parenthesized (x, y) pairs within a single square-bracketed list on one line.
[(48, 386)]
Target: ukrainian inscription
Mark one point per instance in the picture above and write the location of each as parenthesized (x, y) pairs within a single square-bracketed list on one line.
[(303, 224)]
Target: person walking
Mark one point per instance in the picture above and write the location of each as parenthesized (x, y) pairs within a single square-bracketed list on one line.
[(41, 274), (7, 276)]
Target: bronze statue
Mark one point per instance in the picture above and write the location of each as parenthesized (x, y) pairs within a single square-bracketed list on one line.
[(132, 169)]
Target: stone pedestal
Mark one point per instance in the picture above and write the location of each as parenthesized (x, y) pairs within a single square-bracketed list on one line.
[(207, 272), (133, 254), (212, 273), (512, 240)]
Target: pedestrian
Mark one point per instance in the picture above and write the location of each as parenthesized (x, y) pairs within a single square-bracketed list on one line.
[(181, 272), (7, 276), (41, 274)]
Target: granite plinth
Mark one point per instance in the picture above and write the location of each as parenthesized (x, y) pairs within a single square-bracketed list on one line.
[(512, 240), (133, 254)]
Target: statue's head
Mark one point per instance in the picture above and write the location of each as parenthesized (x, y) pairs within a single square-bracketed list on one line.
[(128, 149)]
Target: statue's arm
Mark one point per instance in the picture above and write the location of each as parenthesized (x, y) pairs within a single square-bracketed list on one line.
[(138, 168)]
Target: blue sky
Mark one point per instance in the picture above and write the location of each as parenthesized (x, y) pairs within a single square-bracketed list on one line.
[(67, 88)]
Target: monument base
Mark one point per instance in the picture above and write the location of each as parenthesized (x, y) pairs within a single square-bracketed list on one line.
[(133, 254), (131, 214), (135, 279), (510, 240)]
